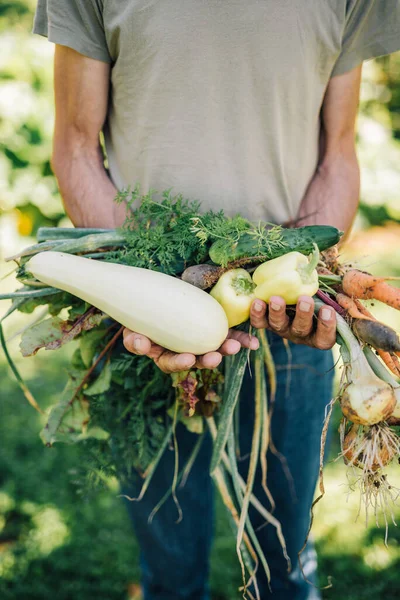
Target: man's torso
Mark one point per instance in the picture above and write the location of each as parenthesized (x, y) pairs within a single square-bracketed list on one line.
[(220, 99)]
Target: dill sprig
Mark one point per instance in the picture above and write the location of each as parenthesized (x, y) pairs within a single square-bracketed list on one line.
[(216, 226), (268, 236)]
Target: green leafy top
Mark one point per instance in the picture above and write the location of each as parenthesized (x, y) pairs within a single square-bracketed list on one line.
[(171, 234)]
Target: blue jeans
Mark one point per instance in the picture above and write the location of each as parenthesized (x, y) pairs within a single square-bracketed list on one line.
[(175, 557)]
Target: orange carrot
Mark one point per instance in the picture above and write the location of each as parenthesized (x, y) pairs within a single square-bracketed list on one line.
[(391, 361), (364, 310), (358, 311), (352, 307), (358, 284)]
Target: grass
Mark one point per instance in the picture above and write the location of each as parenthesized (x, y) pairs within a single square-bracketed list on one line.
[(55, 537), (52, 535)]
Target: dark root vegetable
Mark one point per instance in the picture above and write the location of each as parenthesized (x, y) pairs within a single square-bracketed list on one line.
[(376, 334), (202, 276)]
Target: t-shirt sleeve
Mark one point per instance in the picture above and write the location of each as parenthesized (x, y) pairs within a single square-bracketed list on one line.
[(372, 28), (77, 24)]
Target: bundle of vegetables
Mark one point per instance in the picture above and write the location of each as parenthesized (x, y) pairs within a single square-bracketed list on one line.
[(153, 276), (369, 392)]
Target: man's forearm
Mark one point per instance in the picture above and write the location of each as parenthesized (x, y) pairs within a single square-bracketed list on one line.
[(87, 191), (333, 194)]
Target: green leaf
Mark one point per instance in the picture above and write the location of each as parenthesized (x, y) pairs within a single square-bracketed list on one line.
[(193, 424), (102, 383), (59, 411), (89, 345), (53, 333), (73, 437), (42, 335), (77, 310), (76, 418), (69, 420), (77, 363)]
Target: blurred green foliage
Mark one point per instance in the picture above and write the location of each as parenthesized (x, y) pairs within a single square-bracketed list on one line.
[(28, 189)]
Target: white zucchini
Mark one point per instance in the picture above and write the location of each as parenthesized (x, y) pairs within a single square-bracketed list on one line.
[(169, 311)]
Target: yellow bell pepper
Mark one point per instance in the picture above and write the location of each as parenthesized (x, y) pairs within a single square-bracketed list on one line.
[(290, 276), (234, 291)]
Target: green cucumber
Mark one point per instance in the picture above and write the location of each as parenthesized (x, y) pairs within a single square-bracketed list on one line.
[(273, 243)]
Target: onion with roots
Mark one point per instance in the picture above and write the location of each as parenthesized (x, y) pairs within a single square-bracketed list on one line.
[(367, 400), (380, 370), (394, 418), (370, 448)]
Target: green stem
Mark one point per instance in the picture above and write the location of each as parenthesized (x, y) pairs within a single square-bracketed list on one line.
[(255, 449), (265, 439), (92, 242), (239, 495), (330, 278), (36, 293), (3, 277), (219, 479), (308, 269), (326, 288), (15, 306), (44, 246), (269, 518), (346, 334), (45, 234), (231, 396), (378, 368), (176, 463), (27, 393), (184, 473), (190, 462), (151, 468)]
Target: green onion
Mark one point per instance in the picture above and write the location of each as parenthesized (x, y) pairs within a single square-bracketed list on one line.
[(231, 396), (66, 233)]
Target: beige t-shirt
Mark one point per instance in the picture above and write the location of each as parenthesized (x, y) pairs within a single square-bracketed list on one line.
[(220, 99)]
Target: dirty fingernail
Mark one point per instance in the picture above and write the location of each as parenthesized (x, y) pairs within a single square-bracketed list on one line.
[(325, 314), (254, 344), (275, 306), (258, 306), (305, 306), (184, 361)]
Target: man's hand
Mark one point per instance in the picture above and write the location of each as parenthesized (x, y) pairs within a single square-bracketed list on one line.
[(305, 328), (170, 362)]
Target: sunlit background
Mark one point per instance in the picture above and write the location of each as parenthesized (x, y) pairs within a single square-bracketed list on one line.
[(55, 536)]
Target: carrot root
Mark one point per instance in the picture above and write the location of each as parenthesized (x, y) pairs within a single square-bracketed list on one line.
[(352, 307), (391, 361), (361, 285)]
